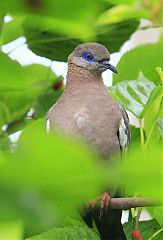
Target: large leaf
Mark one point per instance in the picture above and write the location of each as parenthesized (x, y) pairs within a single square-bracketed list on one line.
[(77, 15), (134, 95), (54, 169), (44, 40), (147, 229), (143, 58)]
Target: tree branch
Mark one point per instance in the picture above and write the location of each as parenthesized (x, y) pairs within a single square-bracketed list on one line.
[(133, 202)]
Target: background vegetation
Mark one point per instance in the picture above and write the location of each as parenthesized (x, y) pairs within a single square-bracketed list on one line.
[(45, 179)]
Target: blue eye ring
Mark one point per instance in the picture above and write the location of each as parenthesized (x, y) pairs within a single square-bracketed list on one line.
[(88, 57)]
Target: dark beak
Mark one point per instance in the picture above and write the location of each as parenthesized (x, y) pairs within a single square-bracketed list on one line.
[(107, 65)]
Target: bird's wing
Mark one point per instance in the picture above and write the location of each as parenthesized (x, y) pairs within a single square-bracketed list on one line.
[(123, 133)]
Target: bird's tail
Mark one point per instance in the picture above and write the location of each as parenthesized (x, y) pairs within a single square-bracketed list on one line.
[(109, 224)]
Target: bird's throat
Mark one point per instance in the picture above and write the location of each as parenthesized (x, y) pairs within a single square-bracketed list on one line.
[(82, 76)]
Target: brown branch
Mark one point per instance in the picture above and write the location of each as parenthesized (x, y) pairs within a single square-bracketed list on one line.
[(127, 203)]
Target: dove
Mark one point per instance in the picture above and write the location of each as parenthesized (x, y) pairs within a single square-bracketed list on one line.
[(87, 111)]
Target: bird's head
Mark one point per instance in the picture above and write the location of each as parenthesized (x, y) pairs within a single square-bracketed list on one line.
[(93, 57)]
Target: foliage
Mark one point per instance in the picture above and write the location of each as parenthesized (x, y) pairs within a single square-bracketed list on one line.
[(45, 178)]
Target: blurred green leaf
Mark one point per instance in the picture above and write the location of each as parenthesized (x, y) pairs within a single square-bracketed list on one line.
[(73, 21), (11, 30), (143, 58), (64, 233), (11, 230), (45, 41), (53, 167), (121, 12), (134, 95), (137, 169), (147, 229), (35, 212)]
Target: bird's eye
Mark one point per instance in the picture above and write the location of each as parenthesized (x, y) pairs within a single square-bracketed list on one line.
[(88, 57)]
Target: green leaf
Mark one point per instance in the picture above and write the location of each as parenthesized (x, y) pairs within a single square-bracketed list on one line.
[(12, 74), (147, 229), (157, 213), (133, 95), (40, 76), (72, 222), (53, 167), (13, 87), (135, 172), (45, 101), (143, 58), (4, 142), (46, 41), (73, 233), (11, 30), (153, 111), (112, 36), (135, 136), (11, 230), (20, 87), (73, 21)]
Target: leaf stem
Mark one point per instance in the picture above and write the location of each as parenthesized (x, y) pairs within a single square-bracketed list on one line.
[(136, 218), (141, 132), (155, 234)]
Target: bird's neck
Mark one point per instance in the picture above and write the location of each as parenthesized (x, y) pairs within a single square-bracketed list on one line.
[(78, 77)]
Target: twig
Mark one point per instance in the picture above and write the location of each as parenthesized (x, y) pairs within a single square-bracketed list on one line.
[(127, 203)]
